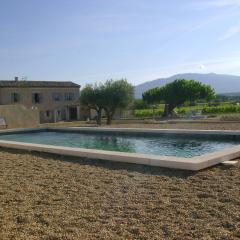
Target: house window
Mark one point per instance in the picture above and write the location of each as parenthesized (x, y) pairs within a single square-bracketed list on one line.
[(69, 96), (56, 97), (36, 97), (15, 97)]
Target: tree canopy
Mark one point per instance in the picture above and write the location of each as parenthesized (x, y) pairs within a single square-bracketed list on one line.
[(92, 97), (178, 92), (110, 96), (118, 95)]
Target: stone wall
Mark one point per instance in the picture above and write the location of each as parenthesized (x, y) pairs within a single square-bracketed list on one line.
[(18, 116), (47, 104)]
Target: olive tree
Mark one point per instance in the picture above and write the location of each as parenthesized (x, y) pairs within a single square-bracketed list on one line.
[(178, 92), (92, 97), (118, 94), (109, 96)]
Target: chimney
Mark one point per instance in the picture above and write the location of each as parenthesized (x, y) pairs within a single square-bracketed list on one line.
[(16, 79)]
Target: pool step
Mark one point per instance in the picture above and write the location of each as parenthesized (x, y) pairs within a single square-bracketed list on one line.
[(230, 163)]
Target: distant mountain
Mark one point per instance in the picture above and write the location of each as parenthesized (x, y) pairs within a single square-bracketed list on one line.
[(232, 94), (220, 82)]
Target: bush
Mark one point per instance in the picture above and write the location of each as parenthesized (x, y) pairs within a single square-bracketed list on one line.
[(140, 104), (184, 110), (222, 109), (141, 113)]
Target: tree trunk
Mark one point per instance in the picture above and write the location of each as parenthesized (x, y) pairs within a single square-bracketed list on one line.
[(109, 117), (168, 109), (99, 117), (171, 108), (153, 113), (109, 120)]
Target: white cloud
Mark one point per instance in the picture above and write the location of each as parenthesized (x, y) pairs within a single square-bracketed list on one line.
[(232, 31)]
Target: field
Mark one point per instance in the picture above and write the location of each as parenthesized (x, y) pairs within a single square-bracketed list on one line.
[(218, 109), (43, 196)]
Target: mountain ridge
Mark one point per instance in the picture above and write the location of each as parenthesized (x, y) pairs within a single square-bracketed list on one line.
[(222, 83)]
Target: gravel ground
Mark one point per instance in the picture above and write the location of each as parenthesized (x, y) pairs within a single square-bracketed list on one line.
[(51, 197), (43, 196)]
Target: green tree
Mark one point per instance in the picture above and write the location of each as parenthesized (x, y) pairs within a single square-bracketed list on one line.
[(92, 97), (178, 92), (117, 94)]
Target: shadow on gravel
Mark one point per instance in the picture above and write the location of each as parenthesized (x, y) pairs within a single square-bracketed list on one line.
[(167, 172)]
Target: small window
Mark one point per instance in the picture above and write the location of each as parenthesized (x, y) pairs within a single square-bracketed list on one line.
[(56, 97), (36, 97), (69, 96), (15, 97)]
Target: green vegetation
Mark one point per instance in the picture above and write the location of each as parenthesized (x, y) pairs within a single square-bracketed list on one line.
[(117, 95), (108, 96), (176, 93), (140, 104), (219, 109), (144, 113), (231, 108), (92, 98), (181, 96)]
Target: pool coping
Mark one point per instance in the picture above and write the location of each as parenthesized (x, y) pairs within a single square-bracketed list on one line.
[(194, 163)]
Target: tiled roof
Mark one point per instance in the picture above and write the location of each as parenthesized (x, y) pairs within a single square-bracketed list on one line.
[(36, 84)]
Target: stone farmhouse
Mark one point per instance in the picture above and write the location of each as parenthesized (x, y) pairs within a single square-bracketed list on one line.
[(52, 101)]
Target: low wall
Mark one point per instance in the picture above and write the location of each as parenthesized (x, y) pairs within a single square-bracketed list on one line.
[(18, 116)]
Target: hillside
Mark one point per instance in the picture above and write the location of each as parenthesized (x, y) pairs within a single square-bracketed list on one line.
[(220, 82)]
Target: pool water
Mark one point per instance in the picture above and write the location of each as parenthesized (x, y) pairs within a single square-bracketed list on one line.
[(166, 145)]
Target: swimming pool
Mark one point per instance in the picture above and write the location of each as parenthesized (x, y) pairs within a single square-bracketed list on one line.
[(177, 145), (182, 149)]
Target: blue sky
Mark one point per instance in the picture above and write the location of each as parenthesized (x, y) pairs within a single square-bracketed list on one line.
[(141, 40)]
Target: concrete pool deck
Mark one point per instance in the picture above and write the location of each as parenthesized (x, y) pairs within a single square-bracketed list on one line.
[(194, 163)]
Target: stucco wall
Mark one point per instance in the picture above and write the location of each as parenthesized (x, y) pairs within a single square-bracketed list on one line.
[(18, 116)]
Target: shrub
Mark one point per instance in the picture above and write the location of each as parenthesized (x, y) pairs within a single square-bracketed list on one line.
[(222, 109), (141, 113)]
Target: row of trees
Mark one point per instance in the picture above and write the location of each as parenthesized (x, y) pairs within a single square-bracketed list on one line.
[(113, 95), (108, 96)]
